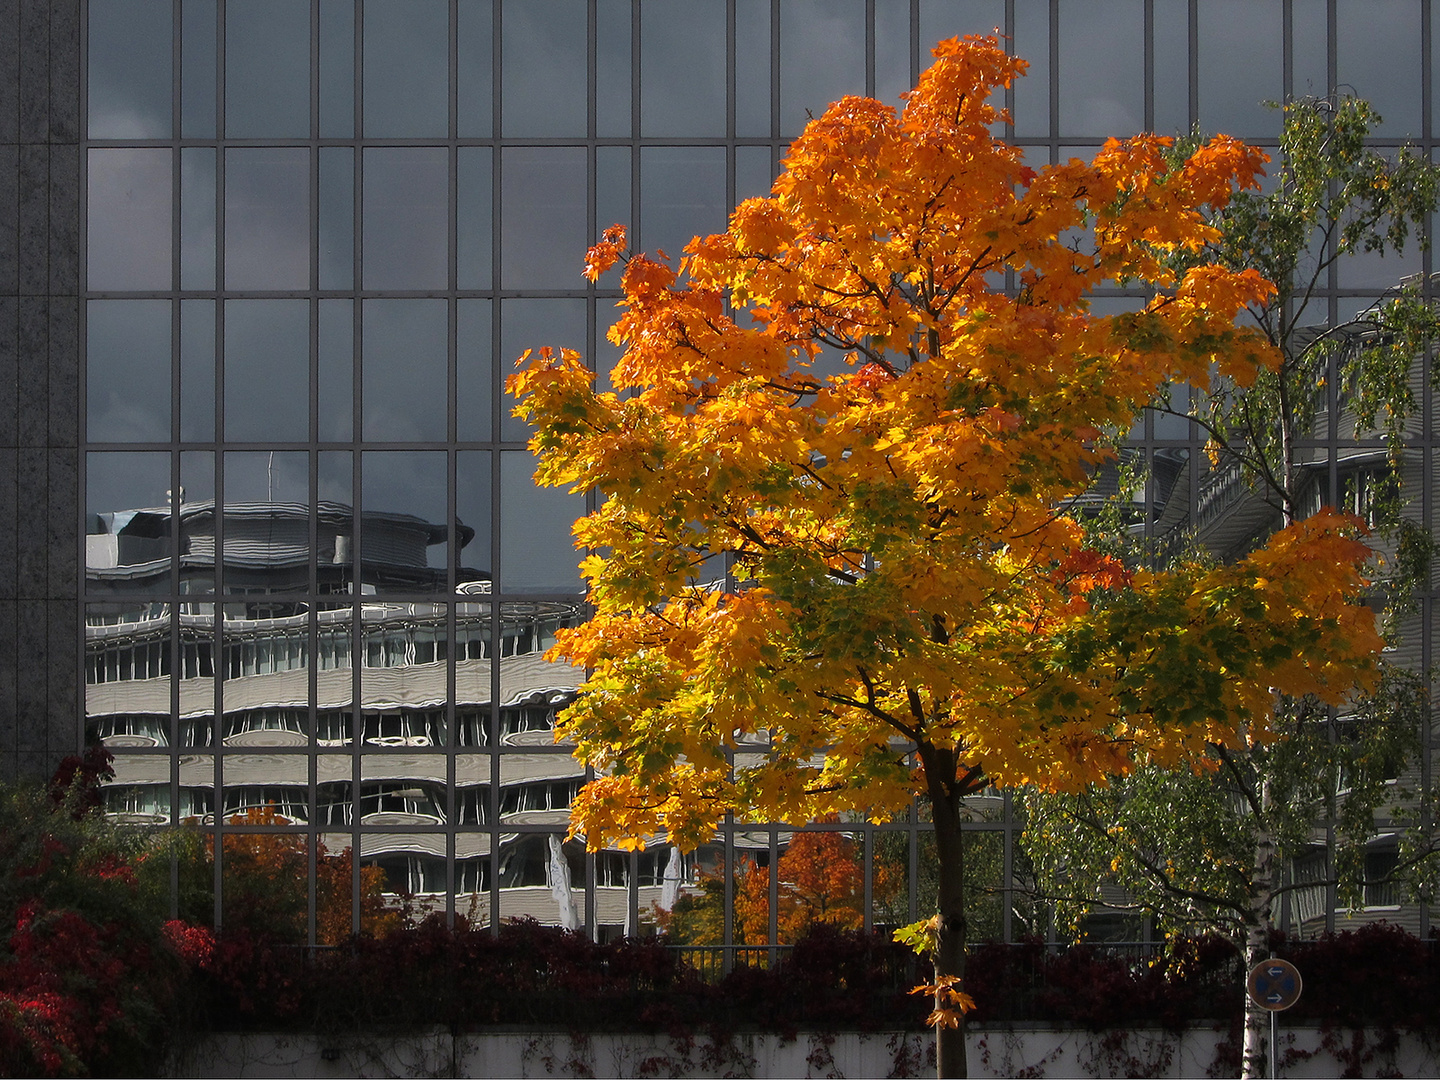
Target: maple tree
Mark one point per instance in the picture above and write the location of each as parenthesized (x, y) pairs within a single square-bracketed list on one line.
[(910, 603), (1217, 867)]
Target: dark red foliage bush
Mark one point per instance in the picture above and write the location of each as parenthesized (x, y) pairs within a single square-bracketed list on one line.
[(530, 975)]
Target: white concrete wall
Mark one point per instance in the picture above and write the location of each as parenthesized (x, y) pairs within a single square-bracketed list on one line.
[(1038, 1052)]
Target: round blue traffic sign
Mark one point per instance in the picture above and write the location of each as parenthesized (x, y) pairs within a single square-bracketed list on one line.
[(1274, 984)]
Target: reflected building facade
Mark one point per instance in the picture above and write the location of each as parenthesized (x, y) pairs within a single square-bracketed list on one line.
[(276, 543)]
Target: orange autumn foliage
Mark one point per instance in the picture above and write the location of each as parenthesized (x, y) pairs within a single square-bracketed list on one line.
[(909, 573), (265, 885), (821, 880), (877, 401)]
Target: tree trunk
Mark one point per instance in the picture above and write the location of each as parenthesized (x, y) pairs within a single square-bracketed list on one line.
[(1253, 1061), (950, 1056), (1257, 944)]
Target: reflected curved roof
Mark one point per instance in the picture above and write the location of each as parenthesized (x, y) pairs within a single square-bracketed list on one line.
[(154, 520)]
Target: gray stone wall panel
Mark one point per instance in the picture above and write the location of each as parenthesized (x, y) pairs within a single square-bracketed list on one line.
[(40, 227), (9, 71), (9, 729), (32, 683), (64, 733), (32, 539), (32, 241), (32, 397), (63, 220), (34, 70), (9, 530), (9, 359), (62, 557), (9, 218), (64, 70), (30, 766), (63, 375)]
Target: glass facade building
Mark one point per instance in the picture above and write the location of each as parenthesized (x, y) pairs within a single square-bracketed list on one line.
[(274, 537)]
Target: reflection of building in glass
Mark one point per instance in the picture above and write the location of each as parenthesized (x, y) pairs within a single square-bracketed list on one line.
[(281, 673), (285, 257)]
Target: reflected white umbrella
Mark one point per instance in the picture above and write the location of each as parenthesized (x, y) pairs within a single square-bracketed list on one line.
[(670, 884), (560, 885)]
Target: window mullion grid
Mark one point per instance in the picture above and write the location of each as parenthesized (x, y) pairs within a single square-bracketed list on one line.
[(217, 610)]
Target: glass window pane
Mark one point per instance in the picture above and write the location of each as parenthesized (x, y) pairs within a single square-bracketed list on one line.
[(474, 374), (682, 195), (1373, 270), (404, 519), (406, 217), (197, 69), (544, 79), (532, 324), (197, 479), (128, 211), (528, 886), (267, 551), (543, 217), (822, 57), (941, 19), (335, 483), (128, 366), (892, 50), (1237, 67), (682, 87), (197, 217), (337, 370), (1309, 27), (337, 69), (474, 217), (1167, 424), (128, 654), (124, 481), (614, 64), (130, 69), (334, 500), (337, 217), (1170, 484), (267, 69), (268, 477), (1172, 67), (267, 218), (1032, 93), (612, 189), (197, 370), (1102, 68), (267, 370), (1377, 56), (537, 551), (406, 68), (473, 486), (118, 539), (405, 370), (752, 68), (475, 47)]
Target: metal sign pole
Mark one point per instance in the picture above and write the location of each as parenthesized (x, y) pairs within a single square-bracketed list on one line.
[(1274, 985), (1274, 1050)]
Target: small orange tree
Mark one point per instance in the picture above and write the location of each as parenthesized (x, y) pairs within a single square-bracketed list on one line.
[(265, 885), (911, 605), (821, 881)]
